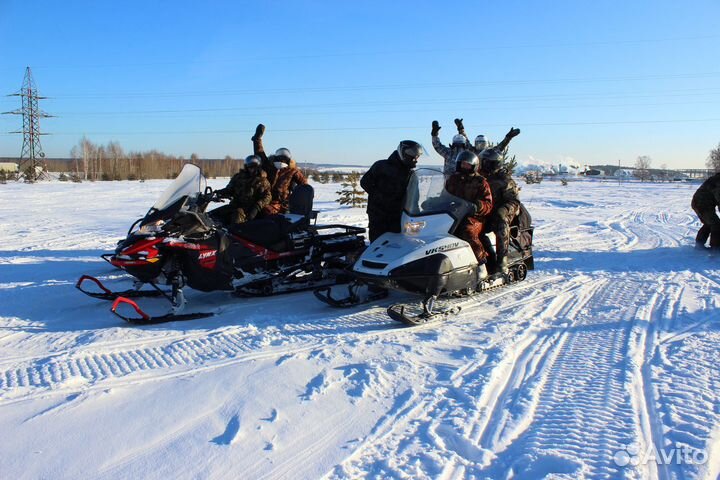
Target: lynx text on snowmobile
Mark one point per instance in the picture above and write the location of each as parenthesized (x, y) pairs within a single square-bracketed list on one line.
[(426, 258), (178, 244)]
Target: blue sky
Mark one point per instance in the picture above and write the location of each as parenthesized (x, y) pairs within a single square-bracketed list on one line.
[(343, 82)]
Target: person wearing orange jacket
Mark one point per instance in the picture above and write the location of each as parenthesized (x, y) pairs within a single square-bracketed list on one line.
[(467, 183)]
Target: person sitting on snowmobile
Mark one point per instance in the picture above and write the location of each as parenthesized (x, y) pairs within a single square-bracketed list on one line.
[(505, 194), (459, 143), (704, 202), (481, 143), (282, 173), (249, 193), (468, 184), (386, 182)]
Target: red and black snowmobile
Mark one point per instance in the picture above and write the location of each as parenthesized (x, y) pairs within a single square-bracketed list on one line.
[(178, 244)]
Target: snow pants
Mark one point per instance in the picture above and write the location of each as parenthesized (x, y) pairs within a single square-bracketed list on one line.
[(471, 230), (710, 227), (499, 224)]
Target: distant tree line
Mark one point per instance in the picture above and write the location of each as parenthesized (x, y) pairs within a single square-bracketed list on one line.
[(97, 162), (91, 161)]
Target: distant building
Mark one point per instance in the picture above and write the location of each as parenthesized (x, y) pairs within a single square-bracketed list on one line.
[(624, 173), (9, 166)]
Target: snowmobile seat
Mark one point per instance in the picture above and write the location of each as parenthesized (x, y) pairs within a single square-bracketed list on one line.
[(272, 232), (301, 202), (521, 231)]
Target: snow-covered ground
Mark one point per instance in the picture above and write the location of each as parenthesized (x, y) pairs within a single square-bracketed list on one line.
[(608, 349)]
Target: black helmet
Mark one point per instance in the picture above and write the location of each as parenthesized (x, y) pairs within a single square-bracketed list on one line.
[(409, 152), (252, 161), (467, 162), (491, 160)]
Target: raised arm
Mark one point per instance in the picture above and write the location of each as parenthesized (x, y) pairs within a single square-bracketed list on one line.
[(514, 132)]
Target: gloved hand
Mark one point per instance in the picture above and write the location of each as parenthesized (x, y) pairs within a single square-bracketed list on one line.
[(259, 131), (239, 216), (222, 193), (252, 213), (514, 132), (460, 126), (435, 128)]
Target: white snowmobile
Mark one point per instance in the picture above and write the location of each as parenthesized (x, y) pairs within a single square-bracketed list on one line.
[(427, 258)]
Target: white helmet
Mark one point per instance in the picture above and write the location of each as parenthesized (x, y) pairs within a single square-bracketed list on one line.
[(459, 140), (283, 153), (481, 143)]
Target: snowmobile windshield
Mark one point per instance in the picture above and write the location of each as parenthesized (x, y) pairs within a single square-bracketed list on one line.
[(426, 195), (190, 182)]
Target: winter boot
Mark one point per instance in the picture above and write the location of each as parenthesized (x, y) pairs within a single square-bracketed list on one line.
[(482, 272), (502, 265)]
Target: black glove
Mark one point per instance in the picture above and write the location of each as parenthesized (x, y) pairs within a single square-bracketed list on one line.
[(252, 213), (460, 126), (435, 128), (514, 132), (259, 131), (222, 193)]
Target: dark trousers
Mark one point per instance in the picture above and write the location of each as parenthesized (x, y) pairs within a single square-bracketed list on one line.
[(500, 223), (379, 224), (710, 227)]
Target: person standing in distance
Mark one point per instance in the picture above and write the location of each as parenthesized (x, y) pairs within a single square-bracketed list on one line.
[(385, 184), (705, 202)]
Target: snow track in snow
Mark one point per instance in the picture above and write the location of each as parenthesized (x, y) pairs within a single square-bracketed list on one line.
[(106, 364)]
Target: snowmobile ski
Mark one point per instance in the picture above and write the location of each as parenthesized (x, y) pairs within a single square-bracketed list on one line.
[(107, 294), (354, 296), (405, 313), (145, 319), (428, 311)]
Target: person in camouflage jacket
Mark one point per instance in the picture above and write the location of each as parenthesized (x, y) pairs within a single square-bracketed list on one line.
[(468, 184), (506, 198), (459, 144), (249, 192), (704, 202), (282, 173)]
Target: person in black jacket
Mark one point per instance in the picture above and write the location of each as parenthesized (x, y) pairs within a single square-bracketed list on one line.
[(385, 184), (705, 203)]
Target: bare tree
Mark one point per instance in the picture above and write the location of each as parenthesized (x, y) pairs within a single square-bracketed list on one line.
[(116, 153), (642, 167), (713, 160)]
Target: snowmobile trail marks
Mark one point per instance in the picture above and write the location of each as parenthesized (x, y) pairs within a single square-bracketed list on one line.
[(677, 373), (426, 431), (135, 361), (579, 398)]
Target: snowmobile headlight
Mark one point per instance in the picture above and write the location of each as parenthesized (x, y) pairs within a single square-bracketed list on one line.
[(413, 228), (150, 228)]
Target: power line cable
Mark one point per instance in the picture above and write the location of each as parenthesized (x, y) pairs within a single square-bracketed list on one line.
[(338, 129), (304, 56)]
